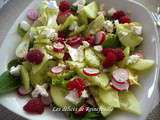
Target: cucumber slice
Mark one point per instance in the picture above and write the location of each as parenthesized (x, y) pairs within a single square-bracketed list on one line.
[(22, 49), (96, 25), (91, 10), (128, 102), (58, 96), (111, 41), (100, 80), (109, 96), (68, 22), (27, 65), (74, 65), (127, 37), (142, 64), (82, 17), (25, 78), (78, 31), (91, 59), (104, 108)]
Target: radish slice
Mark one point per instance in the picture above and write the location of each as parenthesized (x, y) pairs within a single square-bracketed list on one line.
[(120, 75), (46, 100), (57, 69), (100, 37), (58, 47), (22, 92), (140, 54), (91, 71), (119, 87)]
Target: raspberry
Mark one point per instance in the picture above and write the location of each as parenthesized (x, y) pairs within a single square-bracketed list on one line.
[(91, 39), (64, 5), (125, 19), (119, 54), (118, 14), (78, 84), (110, 60), (35, 56), (34, 106), (106, 50)]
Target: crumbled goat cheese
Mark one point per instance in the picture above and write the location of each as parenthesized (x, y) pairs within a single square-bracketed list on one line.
[(24, 25), (40, 90), (116, 22), (133, 59), (111, 11), (74, 26), (50, 33), (137, 30), (84, 94), (15, 70), (52, 5), (109, 26), (72, 97), (77, 54), (98, 48)]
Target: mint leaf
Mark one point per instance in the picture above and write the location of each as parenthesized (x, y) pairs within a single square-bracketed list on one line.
[(8, 83), (14, 62)]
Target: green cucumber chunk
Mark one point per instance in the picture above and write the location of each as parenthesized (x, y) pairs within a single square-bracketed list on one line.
[(96, 25), (73, 65), (91, 59), (91, 10), (58, 96), (128, 102), (25, 78), (78, 31), (142, 64), (82, 17)]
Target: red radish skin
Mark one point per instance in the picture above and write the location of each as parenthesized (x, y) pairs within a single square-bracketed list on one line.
[(57, 69), (119, 87), (58, 47), (120, 75), (62, 16), (75, 41), (22, 92), (100, 37), (91, 71), (140, 54)]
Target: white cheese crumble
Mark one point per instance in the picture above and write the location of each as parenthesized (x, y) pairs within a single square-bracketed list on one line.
[(137, 30), (84, 94), (40, 90), (50, 33), (80, 4), (116, 22), (111, 11), (74, 26), (72, 97), (133, 59), (77, 54), (15, 70), (109, 26), (98, 48), (24, 25)]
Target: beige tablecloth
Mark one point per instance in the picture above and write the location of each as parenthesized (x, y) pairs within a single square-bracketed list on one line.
[(8, 15)]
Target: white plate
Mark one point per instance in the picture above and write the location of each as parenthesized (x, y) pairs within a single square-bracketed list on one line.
[(147, 95)]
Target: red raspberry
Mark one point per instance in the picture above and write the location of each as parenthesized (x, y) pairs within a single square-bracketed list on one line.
[(34, 106), (78, 84), (106, 50), (125, 19), (119, 54), (64, 5), (110, 60), (35, 56), (118, 14), (91, 39), (62, 16)]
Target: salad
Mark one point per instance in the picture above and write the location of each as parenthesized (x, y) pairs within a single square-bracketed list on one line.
[(79, 58)]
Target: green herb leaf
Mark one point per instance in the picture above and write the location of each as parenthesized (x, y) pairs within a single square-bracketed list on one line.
[(14, 62), (8, 83)]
